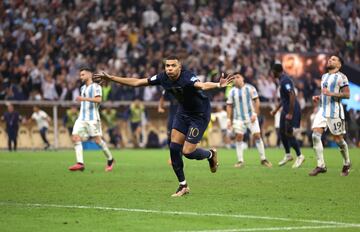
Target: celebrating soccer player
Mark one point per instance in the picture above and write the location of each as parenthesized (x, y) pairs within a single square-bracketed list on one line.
[(192, 117)]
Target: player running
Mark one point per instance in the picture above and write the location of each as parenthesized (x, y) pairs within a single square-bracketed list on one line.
[(88, 123), (192, 116)]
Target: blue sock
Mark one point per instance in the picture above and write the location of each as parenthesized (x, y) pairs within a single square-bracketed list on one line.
[(285, 142), (176, 160), (294, 144), (199, 154)]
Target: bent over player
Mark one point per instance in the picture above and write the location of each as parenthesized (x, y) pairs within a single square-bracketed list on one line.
[(192, 116)]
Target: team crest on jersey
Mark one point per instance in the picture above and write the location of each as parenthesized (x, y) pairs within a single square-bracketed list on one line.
[(194, 78), (153, 78)]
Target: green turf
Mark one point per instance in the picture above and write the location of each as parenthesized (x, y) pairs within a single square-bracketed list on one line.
[(142, 180)]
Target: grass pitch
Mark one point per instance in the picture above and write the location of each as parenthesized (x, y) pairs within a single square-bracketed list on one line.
[(38, 193)]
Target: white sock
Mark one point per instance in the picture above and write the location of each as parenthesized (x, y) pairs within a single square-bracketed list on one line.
[(239, 151), (319, 149), (344, 150), (106, 150), (79, 152), (260, 147), (183, 182)]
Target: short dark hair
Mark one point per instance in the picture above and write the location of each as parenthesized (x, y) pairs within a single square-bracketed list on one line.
[(277, 67), (340, 58), (172, 57), (86, 68)]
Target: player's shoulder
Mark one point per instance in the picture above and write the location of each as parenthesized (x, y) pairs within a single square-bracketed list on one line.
[(342, 75), (188, 75), (250, 86), (95, 85)]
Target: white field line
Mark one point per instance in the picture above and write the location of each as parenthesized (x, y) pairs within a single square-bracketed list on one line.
[(327, 223), (274, 228)]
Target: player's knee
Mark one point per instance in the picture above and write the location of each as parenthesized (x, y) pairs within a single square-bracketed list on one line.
[(76, 138), (98, 140), (339, 141), (316, 137), (175, 147)]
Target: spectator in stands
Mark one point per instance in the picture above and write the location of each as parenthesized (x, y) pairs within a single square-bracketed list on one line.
[(12, 120), (70, 117), (136, 112), (109, 116)]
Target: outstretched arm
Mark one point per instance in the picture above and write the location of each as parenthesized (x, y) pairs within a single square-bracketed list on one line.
[(96, 99), (224, 81), (129, 81)]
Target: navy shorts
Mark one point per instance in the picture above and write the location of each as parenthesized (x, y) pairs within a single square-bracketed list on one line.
[(288, 126), (191, 125)]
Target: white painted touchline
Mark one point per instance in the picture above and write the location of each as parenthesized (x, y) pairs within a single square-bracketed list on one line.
[(178, 213), (273, 228)]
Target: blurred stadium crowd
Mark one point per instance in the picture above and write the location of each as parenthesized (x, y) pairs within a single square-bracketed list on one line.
[(44, 42)]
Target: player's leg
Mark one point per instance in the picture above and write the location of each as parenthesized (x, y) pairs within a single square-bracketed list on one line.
[(176, 146), (290, 125), (255, 130), (318, 128), (43, 136), (9, 141), (337, 128), (239, 147), (94, 128), (284, 140), (78, 130), (196, 129)]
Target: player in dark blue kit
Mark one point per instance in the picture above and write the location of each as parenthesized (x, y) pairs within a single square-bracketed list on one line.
[(191, 119), (290, 116)]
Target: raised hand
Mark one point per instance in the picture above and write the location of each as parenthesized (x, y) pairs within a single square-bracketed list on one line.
[(224, 81), (101, 77)]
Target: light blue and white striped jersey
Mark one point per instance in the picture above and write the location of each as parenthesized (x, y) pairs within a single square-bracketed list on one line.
[(89, 111), (331, 106), (242, 101)]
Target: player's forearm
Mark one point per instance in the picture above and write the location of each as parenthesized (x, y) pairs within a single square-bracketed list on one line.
[(257, 106), (229, 111), (209, 85), (135, 82), (92, 99), (341, 95), (292, 103)]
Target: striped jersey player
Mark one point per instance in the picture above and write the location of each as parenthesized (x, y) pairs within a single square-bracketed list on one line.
[(243, 105), (88, 123), (334, 87)]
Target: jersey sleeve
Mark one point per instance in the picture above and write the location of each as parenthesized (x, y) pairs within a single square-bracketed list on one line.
[(192, 80), (230, 101), (154, 80), (254, 93), (97, 90), (288, 86), (343, 81)]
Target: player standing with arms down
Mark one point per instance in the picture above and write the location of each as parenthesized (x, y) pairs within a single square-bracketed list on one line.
[(88, 122), (243, 105), (334, 87), (290, 116), (192, 117)]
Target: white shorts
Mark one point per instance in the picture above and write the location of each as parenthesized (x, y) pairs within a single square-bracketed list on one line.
[(336, 125), (241, 126), (86, 129)]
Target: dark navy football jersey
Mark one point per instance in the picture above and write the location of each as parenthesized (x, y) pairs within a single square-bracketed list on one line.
[(190, 99), (172, 100), (287, 86)]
